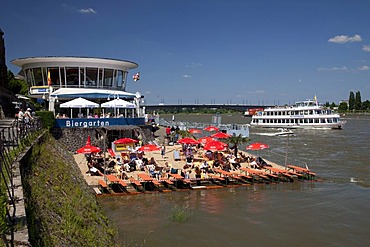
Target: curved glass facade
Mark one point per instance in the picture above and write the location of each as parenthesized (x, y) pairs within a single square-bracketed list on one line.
[(76, 77), (75, 72)]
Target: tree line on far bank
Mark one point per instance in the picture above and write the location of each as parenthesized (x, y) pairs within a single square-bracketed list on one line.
[(354, 104)]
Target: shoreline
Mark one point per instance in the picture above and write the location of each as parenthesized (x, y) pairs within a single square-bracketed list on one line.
[(93, 181)]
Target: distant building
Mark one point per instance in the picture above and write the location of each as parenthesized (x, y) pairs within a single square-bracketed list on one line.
[(3, 68)]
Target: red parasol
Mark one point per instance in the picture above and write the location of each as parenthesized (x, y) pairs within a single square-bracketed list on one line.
[(257, 146), (88, 148), (125, 140), (149, 148), (211, 128), (188, 140), (221, 135), (195, 131), (206, 139), (215, 146)]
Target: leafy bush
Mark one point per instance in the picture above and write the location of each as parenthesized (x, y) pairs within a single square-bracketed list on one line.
[(47, 118)]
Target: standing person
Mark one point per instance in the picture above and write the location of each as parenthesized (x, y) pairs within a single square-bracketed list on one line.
[(163, 151), (168, 131), (198, 175), (27, 116), (20, 115)]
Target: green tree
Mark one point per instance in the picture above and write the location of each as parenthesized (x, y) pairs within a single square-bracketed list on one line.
[(366, 105), (16, 86), (237, 140), (358, 101), (343, 107), (333, 105), (351, 101)]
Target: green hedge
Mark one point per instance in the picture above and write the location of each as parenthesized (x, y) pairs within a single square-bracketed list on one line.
[(47, 118)]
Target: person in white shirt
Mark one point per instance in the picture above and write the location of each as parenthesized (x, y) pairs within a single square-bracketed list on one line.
[(20, 115), (27, 116)]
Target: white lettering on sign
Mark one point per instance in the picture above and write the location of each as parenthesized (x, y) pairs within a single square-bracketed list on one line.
[(85, 124)]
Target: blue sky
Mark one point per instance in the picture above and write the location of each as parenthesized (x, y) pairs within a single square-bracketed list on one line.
[(207, 51)]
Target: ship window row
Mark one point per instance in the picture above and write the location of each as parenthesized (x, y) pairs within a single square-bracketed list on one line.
[(298, 121), (76, 77), (302, 112)]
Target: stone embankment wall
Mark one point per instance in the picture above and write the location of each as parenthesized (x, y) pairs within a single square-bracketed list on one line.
[(74, 138)]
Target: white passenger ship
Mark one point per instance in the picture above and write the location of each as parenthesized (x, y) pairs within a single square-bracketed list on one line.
[(303, 114)]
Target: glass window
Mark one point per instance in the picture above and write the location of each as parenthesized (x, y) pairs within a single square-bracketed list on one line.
[(29, 77), (100, 78), (37, 77), (72, 75), (119, 78), (108, 78), (91, 77), (82, 77), (52, 74)]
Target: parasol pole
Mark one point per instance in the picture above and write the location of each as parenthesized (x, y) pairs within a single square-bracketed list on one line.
[(105, 153), (286, 151)]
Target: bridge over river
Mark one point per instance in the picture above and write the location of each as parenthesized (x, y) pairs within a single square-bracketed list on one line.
[(180, 107)]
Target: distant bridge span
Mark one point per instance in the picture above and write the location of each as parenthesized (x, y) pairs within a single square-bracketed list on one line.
[(179, 108)]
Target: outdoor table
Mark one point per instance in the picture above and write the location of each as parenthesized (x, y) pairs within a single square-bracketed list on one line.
[(298, 169), (176, 177), (251, 171), (224, 173)]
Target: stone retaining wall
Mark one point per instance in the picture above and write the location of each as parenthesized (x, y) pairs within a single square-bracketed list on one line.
[(74, 138)]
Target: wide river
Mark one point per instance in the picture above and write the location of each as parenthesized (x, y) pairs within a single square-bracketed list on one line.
[(332, 212)]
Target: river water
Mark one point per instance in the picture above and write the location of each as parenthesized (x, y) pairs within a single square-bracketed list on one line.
[(332, 212)]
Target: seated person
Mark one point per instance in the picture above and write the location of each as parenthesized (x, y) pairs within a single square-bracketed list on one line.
[(261, 162), (95, 169), (189, 159), (133, 156), (122, 173), (153, 172), (95, 172), (112, 163), (236, 164), (204, 166), (167, 167), (126, 167), (217, 164), (253, 163), (209, 155), (152, 161), (145, 161), (227, 166), (150, 167), (139, 165), (119, 162)]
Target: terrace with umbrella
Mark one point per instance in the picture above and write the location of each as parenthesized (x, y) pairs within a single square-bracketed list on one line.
[(257, 146)]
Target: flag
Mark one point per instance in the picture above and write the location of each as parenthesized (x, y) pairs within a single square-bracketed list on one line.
[(136, 76), (49, 79)]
